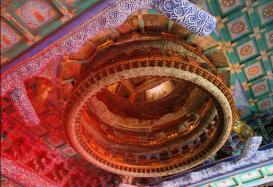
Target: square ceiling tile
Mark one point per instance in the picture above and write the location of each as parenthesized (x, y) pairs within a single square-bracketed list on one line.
[(260, 88), (266, 12), (265, 104), (35, 13), (247, 50), (254, 70), (238, 27), (228, 6), (9, 36)]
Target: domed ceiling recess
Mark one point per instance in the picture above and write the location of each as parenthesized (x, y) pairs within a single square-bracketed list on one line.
[(148, 97), (145, 102)]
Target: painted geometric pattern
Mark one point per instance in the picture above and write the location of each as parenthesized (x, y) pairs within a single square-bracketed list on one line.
[(238, 27), (260, 88), (229, 5), (29, 16), (247, 50), (8, 36), (266, 12), (265, 104), (254, 70), (246, 29), (35, 13), (240, 22)]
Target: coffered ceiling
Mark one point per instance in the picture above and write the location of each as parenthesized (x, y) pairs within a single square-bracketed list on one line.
[(38, 33), (25, 23), (244, 30)]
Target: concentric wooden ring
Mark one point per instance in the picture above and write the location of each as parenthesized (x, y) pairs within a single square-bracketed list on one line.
[(140, 68)]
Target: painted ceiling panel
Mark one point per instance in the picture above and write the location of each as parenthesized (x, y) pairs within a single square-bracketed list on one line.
[(28, 21), (244, 35), (246, 28)]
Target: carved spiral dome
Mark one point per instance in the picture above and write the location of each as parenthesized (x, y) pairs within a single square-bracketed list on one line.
[(146, 103)]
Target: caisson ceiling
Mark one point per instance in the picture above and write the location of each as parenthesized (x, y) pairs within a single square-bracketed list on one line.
[(244, 31), (49, 47)]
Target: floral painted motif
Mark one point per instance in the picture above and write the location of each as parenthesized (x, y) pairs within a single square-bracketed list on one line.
[(253, 71), (228, 3), (227, 6), (238, 27), (8, 36), (246, 50), (260, 88), (268, 11), (265, 104), (35, 13)]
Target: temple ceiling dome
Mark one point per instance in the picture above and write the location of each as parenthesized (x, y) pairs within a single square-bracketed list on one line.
[(143, 101)]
